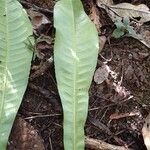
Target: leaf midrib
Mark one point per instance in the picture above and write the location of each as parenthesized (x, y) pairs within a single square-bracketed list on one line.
[(74, 76)]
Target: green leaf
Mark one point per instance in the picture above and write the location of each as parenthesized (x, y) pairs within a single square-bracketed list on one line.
[(126, 21), (75, 56), (15, 61), (123, 27), (117, 33), (131, 31), (120, 25), (120, 29)]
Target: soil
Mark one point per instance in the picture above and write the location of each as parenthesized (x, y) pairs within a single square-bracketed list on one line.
[(117, 107)]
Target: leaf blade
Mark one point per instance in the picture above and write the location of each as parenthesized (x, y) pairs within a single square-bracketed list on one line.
[(76, 43), (15, 60)]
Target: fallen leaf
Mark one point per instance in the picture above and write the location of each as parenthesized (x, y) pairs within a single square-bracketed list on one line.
[(43, 47), (132, 11), (44, 38), (145, 34), (101, 74), (37, 19), (106, 2), (102, 41), (95, 17), (25, 137), (146, 132)]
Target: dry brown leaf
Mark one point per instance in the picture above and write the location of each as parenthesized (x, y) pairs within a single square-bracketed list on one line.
[(101, 74), (37, 19), (25, 137), (146, 132), (102, 41), (95, 17), (106, 2), (131, 11), (145, 34)]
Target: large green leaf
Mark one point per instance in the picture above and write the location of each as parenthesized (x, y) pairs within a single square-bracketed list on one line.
[(15, 60), (75, 55)]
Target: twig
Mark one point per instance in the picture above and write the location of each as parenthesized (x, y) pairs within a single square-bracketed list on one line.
[(50, 142), (116, 116), (42, 116), (101, 145)]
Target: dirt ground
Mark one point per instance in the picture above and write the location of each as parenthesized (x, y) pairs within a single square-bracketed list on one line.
[(117, 106)]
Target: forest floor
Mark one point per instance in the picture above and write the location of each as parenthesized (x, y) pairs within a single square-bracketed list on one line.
[(117, 107)]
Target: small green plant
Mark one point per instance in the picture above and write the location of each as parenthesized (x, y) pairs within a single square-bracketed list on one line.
[(15, 61), (75, 56), (123, 27)]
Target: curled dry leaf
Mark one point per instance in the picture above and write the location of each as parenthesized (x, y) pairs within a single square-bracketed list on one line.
[(37, 19), (132, 11), (101, 74), (146, 132), (43, 46)]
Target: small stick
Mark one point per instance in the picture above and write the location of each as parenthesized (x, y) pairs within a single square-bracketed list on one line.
[(42, 116), (101, 145)]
